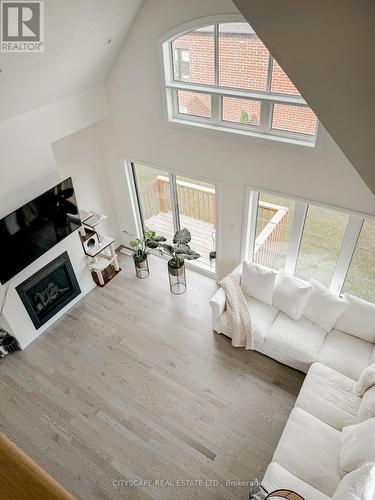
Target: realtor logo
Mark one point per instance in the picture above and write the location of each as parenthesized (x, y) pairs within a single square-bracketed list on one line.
[(22, 26)]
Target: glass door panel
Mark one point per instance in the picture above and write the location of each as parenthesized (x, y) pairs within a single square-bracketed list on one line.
[(153, 189), (197, 212)]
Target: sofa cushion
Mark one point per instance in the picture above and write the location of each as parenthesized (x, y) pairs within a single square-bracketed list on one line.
[(258, 282), (262, 317), (290, 295), (367, 405), (323, 307), (357, 445), (309, 449), (366, 380), (276, 477), (346, 354), (357, 485), (300, 340), (358, 319), (329, 396)]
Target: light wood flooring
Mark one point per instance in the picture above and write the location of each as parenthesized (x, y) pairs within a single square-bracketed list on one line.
[(133, 385)]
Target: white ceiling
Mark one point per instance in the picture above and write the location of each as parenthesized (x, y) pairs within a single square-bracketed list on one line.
[(76, 55)]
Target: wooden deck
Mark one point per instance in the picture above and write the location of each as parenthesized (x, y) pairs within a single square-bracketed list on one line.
[(201, 235)]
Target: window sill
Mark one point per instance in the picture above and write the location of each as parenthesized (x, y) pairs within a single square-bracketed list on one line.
[(241, 132)]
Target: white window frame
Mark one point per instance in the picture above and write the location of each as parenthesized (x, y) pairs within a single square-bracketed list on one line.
[(267, 99), (136, 209), (348, 245)]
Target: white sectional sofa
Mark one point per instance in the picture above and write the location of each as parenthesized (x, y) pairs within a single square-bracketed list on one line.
[(312, 455)]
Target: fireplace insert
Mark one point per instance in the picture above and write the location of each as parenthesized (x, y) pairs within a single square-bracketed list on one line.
[(49, 290)]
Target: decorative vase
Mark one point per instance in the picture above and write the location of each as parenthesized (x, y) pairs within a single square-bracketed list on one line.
[(141, 268), (177, 278)]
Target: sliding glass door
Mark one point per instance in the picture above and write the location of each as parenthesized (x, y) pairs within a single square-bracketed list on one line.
[(196, 212), (154, 199), (168, 202)]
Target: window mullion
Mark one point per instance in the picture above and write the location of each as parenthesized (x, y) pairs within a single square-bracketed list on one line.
[(216, 108), (269, 76), (296, 233), (349, 243), (216, 54), (174, 200), (252, 202), (265, 115), (174, 97)]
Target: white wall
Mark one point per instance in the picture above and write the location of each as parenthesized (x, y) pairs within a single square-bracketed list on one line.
[(28, 168), (138, 130), (80, 156)]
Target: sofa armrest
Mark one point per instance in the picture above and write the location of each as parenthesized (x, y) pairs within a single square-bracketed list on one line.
[(218, 303)]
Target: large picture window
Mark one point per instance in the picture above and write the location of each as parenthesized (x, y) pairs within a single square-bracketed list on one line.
[(330, 245), (223, 76)]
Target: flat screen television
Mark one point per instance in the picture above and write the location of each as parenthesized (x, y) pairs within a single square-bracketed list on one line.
[(32, 230)]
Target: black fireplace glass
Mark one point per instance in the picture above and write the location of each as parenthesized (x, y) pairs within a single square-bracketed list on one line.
[(49, 290)]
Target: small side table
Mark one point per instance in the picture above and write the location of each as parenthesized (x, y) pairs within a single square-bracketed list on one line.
[(103, 261), (102, 257)]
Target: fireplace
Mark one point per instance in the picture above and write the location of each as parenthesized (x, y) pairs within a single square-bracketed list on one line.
[(49, 290)]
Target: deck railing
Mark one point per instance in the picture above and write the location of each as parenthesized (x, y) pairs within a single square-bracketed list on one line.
[(198, 202), (195, 201), (272, 226)]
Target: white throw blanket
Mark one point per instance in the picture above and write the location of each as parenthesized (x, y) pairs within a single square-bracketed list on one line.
[(238, 313)]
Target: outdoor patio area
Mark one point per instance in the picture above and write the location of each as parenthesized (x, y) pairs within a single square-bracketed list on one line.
[(202, 234)]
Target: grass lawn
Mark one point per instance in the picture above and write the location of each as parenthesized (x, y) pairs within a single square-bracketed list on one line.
[(321, 244), (146, 175)]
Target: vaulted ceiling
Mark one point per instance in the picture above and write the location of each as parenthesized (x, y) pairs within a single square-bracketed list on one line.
[(82, 38)]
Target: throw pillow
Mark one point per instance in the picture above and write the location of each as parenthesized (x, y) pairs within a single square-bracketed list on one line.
[(323, 307), (357, 485), (367, 405), (357, 445), (366, 380), (290, 295), (358, 319), (258, 282)]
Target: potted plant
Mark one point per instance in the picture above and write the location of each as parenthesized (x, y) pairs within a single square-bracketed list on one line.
[(179, 252), (141, 248)]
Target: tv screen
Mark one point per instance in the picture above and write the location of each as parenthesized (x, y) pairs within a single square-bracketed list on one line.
[(35, 228)]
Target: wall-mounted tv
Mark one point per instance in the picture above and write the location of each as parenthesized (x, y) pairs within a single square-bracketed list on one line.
[(32, 230)]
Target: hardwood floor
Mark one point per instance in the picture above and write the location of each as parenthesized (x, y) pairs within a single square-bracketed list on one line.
[(133, 385)]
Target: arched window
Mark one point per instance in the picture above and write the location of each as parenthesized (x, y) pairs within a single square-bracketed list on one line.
[(222, 76)]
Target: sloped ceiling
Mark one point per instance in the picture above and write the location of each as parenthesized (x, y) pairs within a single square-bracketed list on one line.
[(327, 48), (77, 53)]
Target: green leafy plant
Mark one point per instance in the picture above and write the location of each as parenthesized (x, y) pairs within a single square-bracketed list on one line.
[(180, 250), (244, 116), (141, 246)]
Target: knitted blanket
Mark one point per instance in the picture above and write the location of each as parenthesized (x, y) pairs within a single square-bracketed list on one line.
[(238, 313)]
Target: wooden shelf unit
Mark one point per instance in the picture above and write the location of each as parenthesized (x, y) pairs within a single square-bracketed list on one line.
[(102, 255)]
